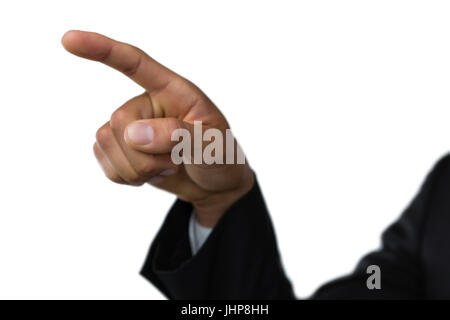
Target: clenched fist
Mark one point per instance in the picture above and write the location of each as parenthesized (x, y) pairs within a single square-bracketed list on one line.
[(134, 146)]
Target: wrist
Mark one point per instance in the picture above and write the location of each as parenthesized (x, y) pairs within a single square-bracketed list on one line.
[(210, 209)]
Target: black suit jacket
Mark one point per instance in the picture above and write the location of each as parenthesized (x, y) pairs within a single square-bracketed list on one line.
[(240, 259)]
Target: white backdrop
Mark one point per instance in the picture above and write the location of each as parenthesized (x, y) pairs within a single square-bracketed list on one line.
[(342, 108)]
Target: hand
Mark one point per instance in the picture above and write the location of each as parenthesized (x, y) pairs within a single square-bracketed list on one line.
[(134, 146)]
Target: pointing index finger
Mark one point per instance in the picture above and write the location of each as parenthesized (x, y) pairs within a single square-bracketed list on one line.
[(123, 57)]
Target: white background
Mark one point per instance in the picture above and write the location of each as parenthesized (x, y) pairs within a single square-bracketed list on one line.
[(342, 108)]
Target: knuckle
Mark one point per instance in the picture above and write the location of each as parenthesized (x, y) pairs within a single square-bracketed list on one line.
[(95, 150), (131, 176), (135, 180), (172, 125), (103, 135), (114, 178), (137, 184), (145, 168), (118, 118)]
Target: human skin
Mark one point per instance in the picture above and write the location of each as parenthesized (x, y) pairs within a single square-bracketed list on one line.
[(133, 147)]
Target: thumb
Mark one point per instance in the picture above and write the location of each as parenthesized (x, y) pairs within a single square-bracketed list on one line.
[(185, 141), (157, 135)]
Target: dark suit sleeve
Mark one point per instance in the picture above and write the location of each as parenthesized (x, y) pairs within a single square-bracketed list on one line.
[(240, 259)]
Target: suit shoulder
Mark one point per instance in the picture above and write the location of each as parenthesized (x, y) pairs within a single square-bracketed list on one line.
[(439, 178), (443, 165)]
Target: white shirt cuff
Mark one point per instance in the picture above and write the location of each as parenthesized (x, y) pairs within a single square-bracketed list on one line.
[(197, 234)]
